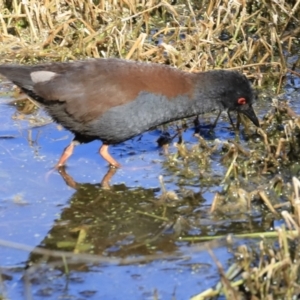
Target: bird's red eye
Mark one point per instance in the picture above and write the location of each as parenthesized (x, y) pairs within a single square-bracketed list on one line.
[(241, 101)]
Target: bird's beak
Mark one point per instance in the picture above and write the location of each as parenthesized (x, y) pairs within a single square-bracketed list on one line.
[(248, 111)]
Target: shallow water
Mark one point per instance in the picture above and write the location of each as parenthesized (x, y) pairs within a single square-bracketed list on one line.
[(71, 212)]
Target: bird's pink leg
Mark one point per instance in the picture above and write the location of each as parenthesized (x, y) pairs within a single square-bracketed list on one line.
[(68, 151), (105, 154)]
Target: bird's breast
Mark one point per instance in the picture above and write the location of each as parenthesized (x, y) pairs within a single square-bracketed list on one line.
[(148, 110)]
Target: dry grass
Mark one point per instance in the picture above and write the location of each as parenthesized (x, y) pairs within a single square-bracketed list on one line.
[(198, 35), (271, 266)]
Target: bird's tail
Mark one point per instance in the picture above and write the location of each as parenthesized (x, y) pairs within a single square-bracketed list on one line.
[(19, 75)]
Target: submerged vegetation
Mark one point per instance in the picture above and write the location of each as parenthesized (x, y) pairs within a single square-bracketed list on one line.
[(259, 38)]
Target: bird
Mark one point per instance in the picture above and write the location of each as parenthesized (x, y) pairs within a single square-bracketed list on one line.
[(114, 100)]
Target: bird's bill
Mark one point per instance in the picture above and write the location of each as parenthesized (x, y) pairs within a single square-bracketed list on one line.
[(248, 111)]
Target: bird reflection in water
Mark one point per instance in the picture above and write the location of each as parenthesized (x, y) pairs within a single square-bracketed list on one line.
[(105, 183), (113, 221)]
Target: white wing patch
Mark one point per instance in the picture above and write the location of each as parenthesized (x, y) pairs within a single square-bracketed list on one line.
[(42, 76)]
